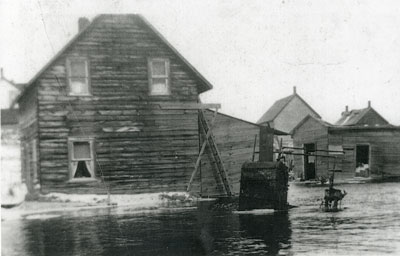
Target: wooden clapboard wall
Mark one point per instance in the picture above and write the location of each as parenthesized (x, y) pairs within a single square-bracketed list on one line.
[(235, 141), (139, 146), (28, 126), (311, 131), (384, 146)]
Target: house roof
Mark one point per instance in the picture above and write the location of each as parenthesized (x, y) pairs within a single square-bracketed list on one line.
[(204, 85), (276, 132), (305, 119), (342, 128), (354, 116), (9, 116), (279, 105), (388, 127)]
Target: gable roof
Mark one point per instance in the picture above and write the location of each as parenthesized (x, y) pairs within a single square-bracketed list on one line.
[(276, 132), (354, 116), (204, 85), (279, 106), (9, 116), (305, 119)]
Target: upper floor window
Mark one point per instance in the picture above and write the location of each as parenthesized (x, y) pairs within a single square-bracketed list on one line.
[(159, 76), (78, 76)]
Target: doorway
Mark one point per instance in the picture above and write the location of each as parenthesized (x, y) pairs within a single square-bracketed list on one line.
[(309, 161), (362, 160)]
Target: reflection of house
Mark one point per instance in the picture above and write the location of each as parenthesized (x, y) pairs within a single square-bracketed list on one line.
[(118, 109), (370, 143)]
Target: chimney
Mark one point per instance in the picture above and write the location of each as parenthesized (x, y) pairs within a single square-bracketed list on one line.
[(294, 90), (346, 111), (369, 103), (83, 22)]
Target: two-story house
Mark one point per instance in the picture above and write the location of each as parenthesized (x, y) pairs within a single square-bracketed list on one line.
[(117, 110)]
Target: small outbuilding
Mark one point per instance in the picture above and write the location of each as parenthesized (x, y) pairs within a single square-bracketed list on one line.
[(370, 144)]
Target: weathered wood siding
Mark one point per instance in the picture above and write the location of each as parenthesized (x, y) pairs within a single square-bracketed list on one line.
[(311, 131), (28, 125), (384, 147), (235, 141), (139, 146)]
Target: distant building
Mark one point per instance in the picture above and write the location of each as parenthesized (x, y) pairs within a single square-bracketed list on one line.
[(10, 149), (10, 146), (284, 115), (361, 117), (370, 143), (8, 91)]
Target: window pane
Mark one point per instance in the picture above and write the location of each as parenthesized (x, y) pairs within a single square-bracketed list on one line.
[(159, 68), (78, 68), (159, 86), (79, 86), (82, 170), (81, 150)]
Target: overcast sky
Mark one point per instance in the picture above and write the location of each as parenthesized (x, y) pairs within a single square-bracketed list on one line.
[(337, 53)]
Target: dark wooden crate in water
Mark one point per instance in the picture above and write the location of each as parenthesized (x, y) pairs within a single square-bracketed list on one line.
[(263, 185)]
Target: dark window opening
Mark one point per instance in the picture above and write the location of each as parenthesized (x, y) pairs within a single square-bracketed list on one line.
[(362, 161), (82, 170)]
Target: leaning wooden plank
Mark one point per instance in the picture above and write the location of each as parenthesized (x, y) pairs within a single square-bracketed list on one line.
[(202, 150)]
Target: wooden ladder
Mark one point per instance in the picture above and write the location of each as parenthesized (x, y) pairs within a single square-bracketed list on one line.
[(216, 155)]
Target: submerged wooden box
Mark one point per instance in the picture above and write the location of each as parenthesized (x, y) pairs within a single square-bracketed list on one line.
[(263, 185)]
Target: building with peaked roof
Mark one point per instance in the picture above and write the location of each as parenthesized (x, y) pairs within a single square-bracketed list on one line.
[(362, 117), (287, 112), (117, 110), (8, 91), (370, 144), (284, 115)]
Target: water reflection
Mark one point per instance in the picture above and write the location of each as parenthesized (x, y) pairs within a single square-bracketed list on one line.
[(204, 230), (188, 232), (274, 230)]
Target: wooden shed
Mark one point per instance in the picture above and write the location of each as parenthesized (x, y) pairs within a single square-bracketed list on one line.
[(117, 110), (371, 146)]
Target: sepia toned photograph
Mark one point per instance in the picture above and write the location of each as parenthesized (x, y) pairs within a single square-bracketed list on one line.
[(188, 127)]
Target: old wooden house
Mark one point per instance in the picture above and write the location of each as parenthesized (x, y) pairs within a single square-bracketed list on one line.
[(283, 116), (117, 110), (370, 144)]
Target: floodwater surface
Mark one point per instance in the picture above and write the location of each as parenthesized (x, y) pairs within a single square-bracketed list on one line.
[(368, 225)]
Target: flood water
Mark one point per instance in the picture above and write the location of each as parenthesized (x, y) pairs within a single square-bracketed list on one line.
[(369, 225)]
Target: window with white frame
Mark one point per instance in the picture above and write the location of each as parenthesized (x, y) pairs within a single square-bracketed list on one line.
[(159, 82), (81, 158), (78, 76)]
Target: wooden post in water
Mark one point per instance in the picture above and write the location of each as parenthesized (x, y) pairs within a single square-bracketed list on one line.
[(264, 184), (266, 144)]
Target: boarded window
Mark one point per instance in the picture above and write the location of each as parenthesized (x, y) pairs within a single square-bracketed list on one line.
[(159, 77), (78, 76), (81, 158)]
